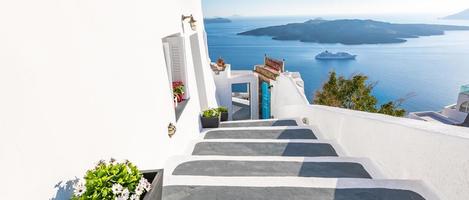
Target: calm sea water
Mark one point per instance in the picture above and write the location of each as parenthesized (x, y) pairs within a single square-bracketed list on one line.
[(429, 69)]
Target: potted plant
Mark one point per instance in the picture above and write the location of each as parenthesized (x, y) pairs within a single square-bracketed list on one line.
[(112, 180), (221, 65), (210, 118), (178, 90), (223, 113)]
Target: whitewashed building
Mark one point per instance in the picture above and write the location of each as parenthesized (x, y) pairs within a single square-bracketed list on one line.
[(455, 114)]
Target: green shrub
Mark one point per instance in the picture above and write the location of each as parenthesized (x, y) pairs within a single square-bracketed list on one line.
[(222, 109), (112, 181), (209, 113), (356, 94)]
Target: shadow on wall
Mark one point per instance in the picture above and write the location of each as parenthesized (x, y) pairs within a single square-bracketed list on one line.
[(64, 189)]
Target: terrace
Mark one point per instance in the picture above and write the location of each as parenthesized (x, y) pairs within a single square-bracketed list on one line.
[(321, 152)]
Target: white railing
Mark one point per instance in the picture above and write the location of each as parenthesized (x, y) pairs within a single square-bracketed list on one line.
[(402, 148)]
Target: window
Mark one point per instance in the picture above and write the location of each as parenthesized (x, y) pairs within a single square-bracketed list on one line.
[(175, 56), (464, 107)]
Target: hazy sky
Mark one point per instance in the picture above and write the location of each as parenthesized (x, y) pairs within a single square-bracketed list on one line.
[(330, 7)]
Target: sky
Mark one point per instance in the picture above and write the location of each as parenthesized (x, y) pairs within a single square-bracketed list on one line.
[(247, 8)]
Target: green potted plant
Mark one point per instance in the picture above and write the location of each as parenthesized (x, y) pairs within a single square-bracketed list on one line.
[(210, 118), (112, 180), (223, 113)]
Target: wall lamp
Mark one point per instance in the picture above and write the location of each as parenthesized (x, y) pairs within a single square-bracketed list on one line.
[(191, 21)]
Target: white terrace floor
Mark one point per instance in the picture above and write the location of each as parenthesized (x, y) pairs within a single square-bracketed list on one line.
[(278, 160)]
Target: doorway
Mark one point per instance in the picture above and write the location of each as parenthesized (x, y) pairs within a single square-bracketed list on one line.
[(241, 101), (265, 100)]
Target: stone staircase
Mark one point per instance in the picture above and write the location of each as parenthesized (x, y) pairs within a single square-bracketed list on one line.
[(278, 160)]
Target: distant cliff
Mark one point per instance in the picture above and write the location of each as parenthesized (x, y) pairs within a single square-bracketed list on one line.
[(350, 31), (216, 20), (464, 15)]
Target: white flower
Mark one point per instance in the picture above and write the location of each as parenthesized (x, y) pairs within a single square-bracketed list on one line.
[(134, 197), (139, 190), (125, 193), (117, 188), (79, 188), (144, 184), (120, 198), (112, 161), (101, 162)]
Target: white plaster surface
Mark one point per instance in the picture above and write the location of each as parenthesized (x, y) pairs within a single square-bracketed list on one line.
[(85, 80), (401, 148)]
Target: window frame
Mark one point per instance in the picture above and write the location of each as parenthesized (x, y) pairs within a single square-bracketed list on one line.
[(174, 47)]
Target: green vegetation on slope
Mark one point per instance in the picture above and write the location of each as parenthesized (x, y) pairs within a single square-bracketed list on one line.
[(355, 94), (351, 31)]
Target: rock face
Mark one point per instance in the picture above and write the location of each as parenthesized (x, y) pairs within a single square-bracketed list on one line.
[(464, 15), (351, 31), (216, 20)]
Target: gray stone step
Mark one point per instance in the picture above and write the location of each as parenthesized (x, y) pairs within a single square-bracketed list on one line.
[(257, 123), (271, 168), (264, 149), (183, 192), (261, 134)]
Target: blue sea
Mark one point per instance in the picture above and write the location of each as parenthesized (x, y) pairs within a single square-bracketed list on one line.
[(427, 71)]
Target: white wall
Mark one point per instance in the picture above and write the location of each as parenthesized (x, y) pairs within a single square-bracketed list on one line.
[(224, 81), (286, 92), (243, 76), (402, 148), (454, 114), (223, 86), (84, 80)]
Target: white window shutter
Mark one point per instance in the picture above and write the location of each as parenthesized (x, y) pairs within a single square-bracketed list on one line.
[(177, 57), (178, 61), (167, 57)]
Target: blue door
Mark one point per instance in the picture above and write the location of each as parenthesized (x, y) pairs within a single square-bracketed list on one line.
[(265, 110)]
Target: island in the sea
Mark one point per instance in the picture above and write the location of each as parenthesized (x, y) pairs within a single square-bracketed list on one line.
[(216, 20), (351, 31), (463, 15)]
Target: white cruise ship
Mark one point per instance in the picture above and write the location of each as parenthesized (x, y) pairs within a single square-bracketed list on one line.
[(326, 55)]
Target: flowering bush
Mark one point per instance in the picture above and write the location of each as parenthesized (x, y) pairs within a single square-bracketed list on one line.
[(112, 181), (178, 90)]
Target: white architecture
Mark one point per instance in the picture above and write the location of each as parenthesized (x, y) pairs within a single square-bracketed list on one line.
[(224, 80), (82, 81), (453, 114)]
